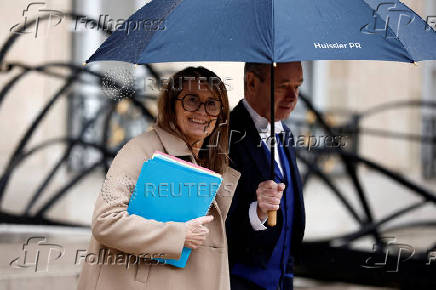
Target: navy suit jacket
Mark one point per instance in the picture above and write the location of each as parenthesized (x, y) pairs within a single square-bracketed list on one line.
[(246, 245)]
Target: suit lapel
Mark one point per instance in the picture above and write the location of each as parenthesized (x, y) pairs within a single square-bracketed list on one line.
[(290, 151), (296, 178), (250, 140)]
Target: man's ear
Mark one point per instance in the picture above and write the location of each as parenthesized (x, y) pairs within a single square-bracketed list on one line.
[(250, 83)]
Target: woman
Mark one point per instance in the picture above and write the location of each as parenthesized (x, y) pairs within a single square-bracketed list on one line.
[(192, 125)]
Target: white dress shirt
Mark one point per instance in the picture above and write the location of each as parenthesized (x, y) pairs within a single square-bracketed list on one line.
[(264, 129)]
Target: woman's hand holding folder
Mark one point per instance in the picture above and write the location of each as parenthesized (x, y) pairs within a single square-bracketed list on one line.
[(196, 232)]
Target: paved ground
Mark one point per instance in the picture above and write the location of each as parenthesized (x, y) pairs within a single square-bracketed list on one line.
[(58, 273), (63, 273)]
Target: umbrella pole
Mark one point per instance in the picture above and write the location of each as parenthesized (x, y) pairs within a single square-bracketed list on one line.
[(272, 215)]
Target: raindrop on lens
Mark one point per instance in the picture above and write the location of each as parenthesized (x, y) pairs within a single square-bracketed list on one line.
[(118, 81)]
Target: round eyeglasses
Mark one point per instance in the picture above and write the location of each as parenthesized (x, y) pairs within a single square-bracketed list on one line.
[(192, 103)]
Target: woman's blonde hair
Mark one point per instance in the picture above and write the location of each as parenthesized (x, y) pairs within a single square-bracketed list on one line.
[(214, 152)]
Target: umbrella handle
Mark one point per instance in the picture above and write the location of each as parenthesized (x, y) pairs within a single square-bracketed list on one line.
[(272, 214), (272, 218)]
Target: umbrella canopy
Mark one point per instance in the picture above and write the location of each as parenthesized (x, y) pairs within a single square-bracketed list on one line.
[(270, 31)]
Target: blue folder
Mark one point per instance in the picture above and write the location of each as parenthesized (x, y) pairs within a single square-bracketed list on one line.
[(170, 189)]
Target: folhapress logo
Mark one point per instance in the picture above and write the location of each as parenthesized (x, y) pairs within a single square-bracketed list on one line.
[(36, 11), (38, 254), (396, 18)]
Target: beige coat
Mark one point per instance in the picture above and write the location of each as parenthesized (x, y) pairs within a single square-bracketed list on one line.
[(114, 230)]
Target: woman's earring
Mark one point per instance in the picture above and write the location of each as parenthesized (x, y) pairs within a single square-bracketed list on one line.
[(172, 126)]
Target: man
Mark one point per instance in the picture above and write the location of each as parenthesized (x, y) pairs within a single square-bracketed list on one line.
[(260, 256)]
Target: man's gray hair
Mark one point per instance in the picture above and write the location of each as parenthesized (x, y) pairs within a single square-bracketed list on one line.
[(259, 69)]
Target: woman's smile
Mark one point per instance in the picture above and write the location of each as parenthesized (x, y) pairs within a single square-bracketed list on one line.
[(197, 121), (196, 125)]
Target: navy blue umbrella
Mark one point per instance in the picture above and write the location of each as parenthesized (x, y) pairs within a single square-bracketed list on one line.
[(270, 31)]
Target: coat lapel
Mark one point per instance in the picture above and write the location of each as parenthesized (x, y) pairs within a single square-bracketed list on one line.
[(172, 144), (243, 126), (295, 175), (290, 151), (257, 154), (177, 147)]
